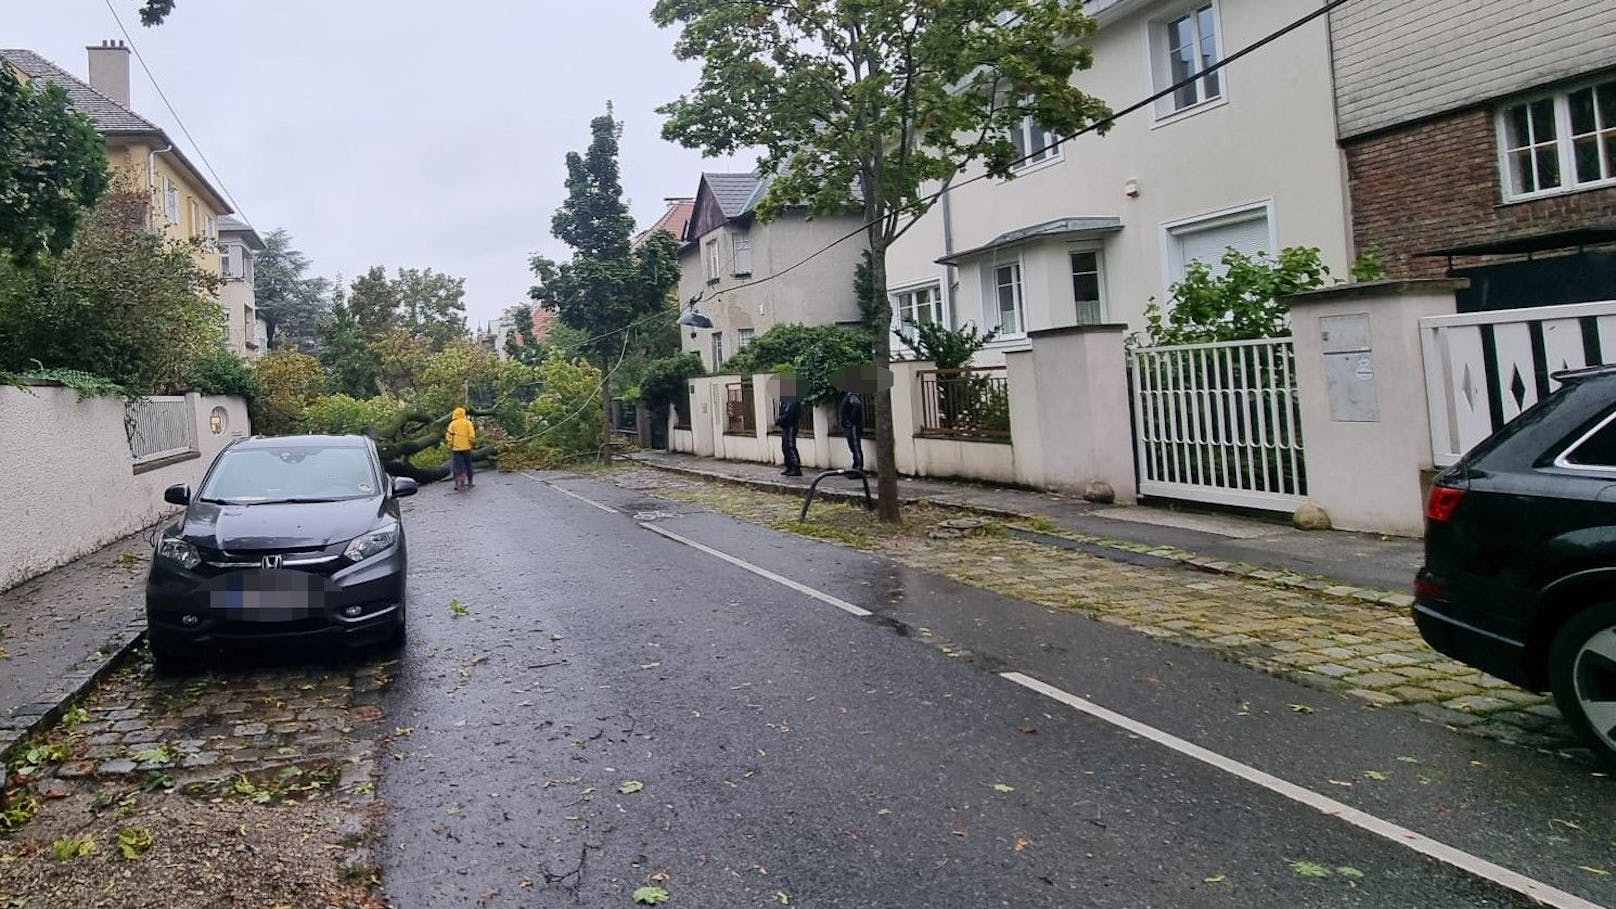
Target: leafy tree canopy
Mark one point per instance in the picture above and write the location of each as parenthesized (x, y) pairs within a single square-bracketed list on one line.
[(816, 353), (288, 298), (52, 167)]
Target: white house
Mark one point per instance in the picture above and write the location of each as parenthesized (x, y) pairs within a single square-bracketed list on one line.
[(724, 245), (238, 244), (1090, 230)]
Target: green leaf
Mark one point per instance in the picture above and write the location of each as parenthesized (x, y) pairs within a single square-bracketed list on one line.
[(650, 896), (75, 716), (1215, 879), (1408, 760), (1348, 871), (1310, 869), (73, 847), (1301, 708), (457, 608), (1375, 775), (1003, 787), (134, 841), (629, 787)]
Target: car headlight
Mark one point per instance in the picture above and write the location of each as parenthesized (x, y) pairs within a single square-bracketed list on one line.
[(374, 543), (179, 552)]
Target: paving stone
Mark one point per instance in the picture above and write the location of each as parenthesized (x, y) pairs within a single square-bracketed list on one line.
[(129, 726), (1477, 703), (1374, 697), (1331, 670), (1396, 659), (200, 759), (247, 729), (1410, 694), (1440, 714), (118, 767), (1377, 680)]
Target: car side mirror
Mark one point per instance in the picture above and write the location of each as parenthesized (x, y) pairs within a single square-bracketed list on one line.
[(404, 486), (179, 494)]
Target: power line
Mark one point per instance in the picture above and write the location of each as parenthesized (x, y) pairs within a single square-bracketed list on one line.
[(1096, 125), (129, 39)]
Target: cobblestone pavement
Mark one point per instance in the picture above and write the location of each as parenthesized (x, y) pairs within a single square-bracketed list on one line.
[(267, 733), (1334, 639)]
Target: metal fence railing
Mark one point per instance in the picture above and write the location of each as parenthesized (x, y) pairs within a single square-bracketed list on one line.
[(626, 416), (740, 412), (158, 428), (968, 404)]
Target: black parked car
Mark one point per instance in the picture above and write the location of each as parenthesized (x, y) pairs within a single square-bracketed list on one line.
[(1520, 555), (293, 540)]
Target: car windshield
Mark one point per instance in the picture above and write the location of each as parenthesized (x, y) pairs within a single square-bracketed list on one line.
[(312, 473)]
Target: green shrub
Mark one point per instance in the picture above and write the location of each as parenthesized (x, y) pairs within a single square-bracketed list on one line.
[(342, 415), (665, 383), (815, 352)]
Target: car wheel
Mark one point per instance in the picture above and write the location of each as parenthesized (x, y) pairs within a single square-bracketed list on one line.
[(1582, 672)]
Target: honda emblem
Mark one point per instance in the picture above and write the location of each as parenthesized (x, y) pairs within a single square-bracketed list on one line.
[(272, 561)]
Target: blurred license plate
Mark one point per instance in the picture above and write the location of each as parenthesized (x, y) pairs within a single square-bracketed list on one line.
[(269, 595)]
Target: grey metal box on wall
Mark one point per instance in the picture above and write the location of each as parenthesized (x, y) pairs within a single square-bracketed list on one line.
[(1349, 368)]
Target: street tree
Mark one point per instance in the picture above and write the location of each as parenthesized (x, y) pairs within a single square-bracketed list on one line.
[(373, 299), (432, 305), (878, 105), (288, 298), (609, 288), (155, 11), (52, 167)]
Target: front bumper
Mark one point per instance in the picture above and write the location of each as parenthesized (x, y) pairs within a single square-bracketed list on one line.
[(190, 611)]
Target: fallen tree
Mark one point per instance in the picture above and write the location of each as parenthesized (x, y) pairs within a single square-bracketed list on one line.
[(413, 432)]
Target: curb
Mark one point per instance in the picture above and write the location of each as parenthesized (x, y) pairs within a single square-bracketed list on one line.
[(1112, 549), (17, 729)]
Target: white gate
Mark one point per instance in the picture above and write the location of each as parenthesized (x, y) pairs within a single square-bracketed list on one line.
[(1483, 369), (1219, 423), (159, 427)]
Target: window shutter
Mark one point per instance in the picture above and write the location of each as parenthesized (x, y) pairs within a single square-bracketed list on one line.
[(743, 256), (1209, 244)]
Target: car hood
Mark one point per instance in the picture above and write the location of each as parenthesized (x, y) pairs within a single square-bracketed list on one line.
[(298, 525)]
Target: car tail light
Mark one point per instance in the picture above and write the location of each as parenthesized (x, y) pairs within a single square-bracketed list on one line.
[(1444, 499), (1427, 589)]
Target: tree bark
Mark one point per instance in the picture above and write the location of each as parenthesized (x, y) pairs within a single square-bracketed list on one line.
[(886, 447)]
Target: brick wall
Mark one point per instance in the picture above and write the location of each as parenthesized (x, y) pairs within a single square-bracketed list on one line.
[(1436, 185)]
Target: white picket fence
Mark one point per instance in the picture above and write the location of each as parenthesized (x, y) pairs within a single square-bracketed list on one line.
[(1219, 423), (160, 427), (1484, 369)]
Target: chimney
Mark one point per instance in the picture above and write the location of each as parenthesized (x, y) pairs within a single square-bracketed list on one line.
[(109, 70)]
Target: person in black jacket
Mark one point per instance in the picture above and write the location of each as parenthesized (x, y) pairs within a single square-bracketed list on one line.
[(789, 420), (852, 419)]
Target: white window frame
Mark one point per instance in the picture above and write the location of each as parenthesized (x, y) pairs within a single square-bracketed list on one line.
[(1564, 142), (171, 200), (992, 315), (743, 337), (1096, 250), (211, 229), (1159, 64), (742, 264), (899, 309), (710, 248), (1172, 252), (1031, 133), (718, 350)]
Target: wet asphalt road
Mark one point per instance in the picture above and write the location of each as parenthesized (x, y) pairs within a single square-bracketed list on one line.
[(777, 748)]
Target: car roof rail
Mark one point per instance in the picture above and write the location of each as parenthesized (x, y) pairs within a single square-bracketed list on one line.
[(1573, 376)]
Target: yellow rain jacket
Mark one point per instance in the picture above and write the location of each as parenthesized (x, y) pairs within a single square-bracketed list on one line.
[(461, 435)]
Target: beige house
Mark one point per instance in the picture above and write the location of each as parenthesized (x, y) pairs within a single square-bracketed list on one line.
[(176, 199), (1090, 230), (239, 244), (724, 245)]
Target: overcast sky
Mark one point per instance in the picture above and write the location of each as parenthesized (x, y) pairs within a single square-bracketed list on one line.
[(411, 133)]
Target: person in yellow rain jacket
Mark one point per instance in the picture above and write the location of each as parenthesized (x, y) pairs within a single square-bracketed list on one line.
[(461, 437)]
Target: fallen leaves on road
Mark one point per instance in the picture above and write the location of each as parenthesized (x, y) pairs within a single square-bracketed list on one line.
[(1592, 870), (1302, 708), (1021, 843), (1310, 869), (629, 787), (1375, 775), (1215, 879), (650, 896), (1003, 787), (457, 608), (134, 841)]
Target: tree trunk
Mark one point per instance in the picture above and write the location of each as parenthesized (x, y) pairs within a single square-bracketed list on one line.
[(606, 428), (886, 447)]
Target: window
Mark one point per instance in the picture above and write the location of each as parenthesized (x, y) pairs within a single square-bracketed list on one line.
[(922, 306), (743, 337), (718, 349), (230, 261), (1559, 143), (712, 261), (171, 200), (743, 256), (1596, 449), (1208, 239), (196, 219), (1034, 144), (212, 228), (1182, 49), (1005, 301), (1086, 287)]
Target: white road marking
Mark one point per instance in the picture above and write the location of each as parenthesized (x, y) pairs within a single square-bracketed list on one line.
[(803, 589), (1464, 861), (567, 492)]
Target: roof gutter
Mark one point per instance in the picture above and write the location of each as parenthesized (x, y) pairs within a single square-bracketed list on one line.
[(151, 176)]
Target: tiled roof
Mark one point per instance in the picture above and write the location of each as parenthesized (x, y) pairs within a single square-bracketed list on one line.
[(672, 221), (732, 192), (109, 115)]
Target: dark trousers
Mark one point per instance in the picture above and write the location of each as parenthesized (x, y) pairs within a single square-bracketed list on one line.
[(855, 441), (788, 447), (462, 464)]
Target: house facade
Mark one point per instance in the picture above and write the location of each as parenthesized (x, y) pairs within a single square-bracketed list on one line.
[(238, 245), (1483, 145), (724, 245), (1090, 230)]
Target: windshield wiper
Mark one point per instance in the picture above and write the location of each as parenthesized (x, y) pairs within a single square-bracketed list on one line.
[(297, 500), (212, 501)]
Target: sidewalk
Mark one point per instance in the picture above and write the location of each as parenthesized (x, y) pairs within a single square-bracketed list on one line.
[(1357, 560), (60, 630)]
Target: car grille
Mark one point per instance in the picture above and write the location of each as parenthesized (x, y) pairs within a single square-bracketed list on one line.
[(216, 562)]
